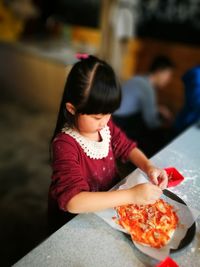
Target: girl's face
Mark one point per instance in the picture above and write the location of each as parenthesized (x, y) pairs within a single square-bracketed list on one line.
[(92, 123)]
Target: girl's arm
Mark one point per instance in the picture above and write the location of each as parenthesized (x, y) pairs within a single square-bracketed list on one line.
[(156, 175), (146, 193)]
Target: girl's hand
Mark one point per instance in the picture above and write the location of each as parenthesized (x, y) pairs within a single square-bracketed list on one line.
[(158, 176), (146, 193)]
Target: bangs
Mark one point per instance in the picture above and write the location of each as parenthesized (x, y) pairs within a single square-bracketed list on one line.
[(104, 96)]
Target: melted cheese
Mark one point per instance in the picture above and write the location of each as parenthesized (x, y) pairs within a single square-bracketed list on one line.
[(152, 225)]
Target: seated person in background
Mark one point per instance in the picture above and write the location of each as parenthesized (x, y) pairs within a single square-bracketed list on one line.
[(190, 112), (139, 115)]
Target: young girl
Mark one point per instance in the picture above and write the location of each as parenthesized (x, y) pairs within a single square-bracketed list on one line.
[(86, 144)]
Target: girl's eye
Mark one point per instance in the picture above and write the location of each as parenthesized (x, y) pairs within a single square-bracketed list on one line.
[(97, 118)]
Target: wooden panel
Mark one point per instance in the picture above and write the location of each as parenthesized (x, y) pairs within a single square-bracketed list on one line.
[(86, 35)]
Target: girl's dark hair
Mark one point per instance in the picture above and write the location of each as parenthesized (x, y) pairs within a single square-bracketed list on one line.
[(92, 88)]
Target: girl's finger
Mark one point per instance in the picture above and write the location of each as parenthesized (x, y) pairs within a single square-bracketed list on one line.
[(163, 184), (154, 178), (163, 180)]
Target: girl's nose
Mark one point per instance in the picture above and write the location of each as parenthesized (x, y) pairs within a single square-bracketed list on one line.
[(102, 124), (104, 121)]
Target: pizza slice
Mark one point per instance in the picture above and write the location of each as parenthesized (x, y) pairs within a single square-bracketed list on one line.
[(152, 225)]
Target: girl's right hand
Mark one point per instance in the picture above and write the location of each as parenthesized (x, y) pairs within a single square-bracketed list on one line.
[(146, 193)]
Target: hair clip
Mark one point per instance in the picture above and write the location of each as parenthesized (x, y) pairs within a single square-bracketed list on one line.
[(82, 56)]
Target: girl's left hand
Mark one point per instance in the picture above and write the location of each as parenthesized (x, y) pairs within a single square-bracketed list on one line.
[(158, 176)]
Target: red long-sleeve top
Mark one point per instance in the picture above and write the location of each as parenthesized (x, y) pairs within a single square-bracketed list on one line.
[(74, 171)]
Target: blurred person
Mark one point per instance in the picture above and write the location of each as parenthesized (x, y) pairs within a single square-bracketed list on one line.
[(190, 112), (139, 114)]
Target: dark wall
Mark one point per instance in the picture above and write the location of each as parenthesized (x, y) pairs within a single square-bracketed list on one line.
[(78, 12), (174, 20)]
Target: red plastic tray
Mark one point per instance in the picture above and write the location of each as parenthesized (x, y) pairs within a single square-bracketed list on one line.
[(174, 176), (168, 262)]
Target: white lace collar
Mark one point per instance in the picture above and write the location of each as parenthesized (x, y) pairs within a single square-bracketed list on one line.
[(93, 149)]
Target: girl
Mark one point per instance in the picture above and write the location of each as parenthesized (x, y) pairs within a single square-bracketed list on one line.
[(86, 144)]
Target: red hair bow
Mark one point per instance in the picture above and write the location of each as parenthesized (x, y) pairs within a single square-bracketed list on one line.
[(82, 56)]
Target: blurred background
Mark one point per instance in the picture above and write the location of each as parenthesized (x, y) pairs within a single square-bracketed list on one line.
[(38, 43)]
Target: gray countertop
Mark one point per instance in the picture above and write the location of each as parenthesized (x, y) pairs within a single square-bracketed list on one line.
[(56, 50), (88, 241)]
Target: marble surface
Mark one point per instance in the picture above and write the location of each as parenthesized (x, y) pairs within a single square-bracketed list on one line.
[(57, 50), (89, 241)]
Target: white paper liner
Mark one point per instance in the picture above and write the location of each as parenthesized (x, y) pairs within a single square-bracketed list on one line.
[(186, 215)]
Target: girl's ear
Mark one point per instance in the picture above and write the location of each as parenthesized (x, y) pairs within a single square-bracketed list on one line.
[(70, 108)]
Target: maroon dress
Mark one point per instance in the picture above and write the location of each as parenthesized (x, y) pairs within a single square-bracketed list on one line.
[(77, 167)]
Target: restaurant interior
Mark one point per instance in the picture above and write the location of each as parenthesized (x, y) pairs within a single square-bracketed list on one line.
[(39, 40)]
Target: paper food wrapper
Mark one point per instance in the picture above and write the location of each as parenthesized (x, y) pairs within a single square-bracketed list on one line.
[(186, 218)]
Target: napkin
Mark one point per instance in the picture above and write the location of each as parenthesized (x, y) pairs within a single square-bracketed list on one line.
[(174, 177), (168, 262)]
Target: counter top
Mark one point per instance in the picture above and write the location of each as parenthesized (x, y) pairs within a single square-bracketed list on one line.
[(57, 50), (88, 241)]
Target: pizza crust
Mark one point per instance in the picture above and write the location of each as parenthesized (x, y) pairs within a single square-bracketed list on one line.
[(171, 234)]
